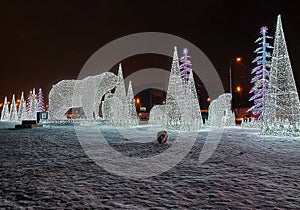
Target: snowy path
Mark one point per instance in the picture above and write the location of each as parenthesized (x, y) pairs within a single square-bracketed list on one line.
[(46, 168)]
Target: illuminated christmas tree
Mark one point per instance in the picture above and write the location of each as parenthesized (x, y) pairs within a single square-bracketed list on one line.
[(40, 101), (185, 67), (174, 95), (120, 91), (32, 105), (133, 118), (182, 110), (119, 108), (191, 115), (22, 114), (5, 111), (282, 108), (13, 114), (261, 72)]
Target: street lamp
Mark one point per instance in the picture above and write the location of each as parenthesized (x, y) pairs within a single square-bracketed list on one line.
[(238, 60), (239, 90), (137, 104)]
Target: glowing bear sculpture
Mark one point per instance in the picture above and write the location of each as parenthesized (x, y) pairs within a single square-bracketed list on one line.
[(86, 93), (219, 112)]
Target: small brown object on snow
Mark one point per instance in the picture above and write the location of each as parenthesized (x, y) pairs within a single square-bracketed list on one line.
[(162, 137)]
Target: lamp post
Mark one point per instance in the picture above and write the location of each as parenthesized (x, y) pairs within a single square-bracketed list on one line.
[(238, 60), (137, 104), (239, 90)]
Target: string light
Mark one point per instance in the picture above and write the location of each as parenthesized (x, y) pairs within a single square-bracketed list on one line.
[(282, 108), (219, 112), (261, 72), (181, 110), (86, 93)]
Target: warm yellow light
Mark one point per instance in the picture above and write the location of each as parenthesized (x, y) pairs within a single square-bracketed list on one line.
[(18, 100), (1, 104), (238, 89), (238, 59), (208, 100), (137, 100), (164, 102)]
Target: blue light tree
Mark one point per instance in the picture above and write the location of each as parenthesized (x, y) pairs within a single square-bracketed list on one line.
[(261, 72)]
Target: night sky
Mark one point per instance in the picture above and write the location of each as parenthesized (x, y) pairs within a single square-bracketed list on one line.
[(43, 42)]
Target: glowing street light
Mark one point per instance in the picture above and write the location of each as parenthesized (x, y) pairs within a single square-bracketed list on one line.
[(137, 100), (208, 100), (238, 60), (238, 89)]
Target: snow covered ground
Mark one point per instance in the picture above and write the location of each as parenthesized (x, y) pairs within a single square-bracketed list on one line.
[(46, 168)]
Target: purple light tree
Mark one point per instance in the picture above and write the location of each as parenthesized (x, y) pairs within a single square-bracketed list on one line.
[(261, 72), (185, 67)]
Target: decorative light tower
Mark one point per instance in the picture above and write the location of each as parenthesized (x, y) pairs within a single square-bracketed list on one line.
[(41, 103), (13, 114), (5, 111), (22, 114), (132, 115), (282, 104), (185, 68), (261, 72), (174, 95)]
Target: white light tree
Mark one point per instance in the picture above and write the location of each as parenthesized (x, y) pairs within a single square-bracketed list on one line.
[(182, 110), (133, 118), (190, 108), (29, 106), (22, 113), (119, 108), (32, 106), (282, 108), (5, 111), (40, 101), (261, 72), (174, 95), (13, 114), (34, 101)]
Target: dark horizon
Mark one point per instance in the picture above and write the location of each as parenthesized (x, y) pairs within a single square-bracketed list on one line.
[(43, 43)]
